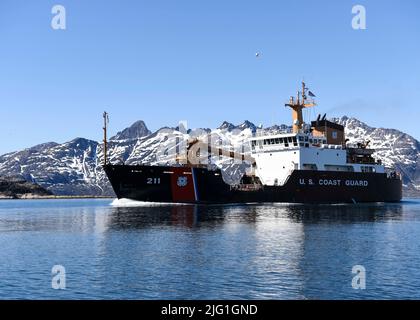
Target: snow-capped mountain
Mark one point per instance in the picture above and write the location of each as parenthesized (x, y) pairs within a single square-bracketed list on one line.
[(396, 149), (74, 167)]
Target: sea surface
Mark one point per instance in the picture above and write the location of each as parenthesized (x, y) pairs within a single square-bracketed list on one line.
[(109, 249)]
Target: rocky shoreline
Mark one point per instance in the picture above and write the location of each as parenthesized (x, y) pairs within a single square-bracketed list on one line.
[(18, 188)]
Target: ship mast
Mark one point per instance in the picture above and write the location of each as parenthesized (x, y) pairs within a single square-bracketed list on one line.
[(106, 120), (297, 106)]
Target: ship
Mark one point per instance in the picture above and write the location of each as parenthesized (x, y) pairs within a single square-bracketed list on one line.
[(308, 163)]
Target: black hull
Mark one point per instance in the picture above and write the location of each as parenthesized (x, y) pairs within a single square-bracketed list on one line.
[(199, 185)]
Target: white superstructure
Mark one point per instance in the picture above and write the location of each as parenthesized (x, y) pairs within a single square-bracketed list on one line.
[(321, 147), (277, 155)]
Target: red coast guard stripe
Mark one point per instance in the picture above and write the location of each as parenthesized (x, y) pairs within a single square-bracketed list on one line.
[(182, 185)]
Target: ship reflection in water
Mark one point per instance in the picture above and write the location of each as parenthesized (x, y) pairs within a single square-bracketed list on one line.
[(271, 251), (195, 216), (275, 251)]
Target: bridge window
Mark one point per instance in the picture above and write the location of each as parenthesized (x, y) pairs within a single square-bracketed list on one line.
[(367, 169), (329, 167), (300, 138)]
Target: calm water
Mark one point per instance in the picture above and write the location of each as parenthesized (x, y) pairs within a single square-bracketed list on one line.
[(214, 252)]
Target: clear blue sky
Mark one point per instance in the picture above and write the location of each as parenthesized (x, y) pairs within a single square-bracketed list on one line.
[(165, 61)]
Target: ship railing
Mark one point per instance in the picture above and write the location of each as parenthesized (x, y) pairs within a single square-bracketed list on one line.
[(269, 132), (247, 187)]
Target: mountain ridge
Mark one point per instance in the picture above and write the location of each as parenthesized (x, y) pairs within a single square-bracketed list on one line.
[(75, 167)]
